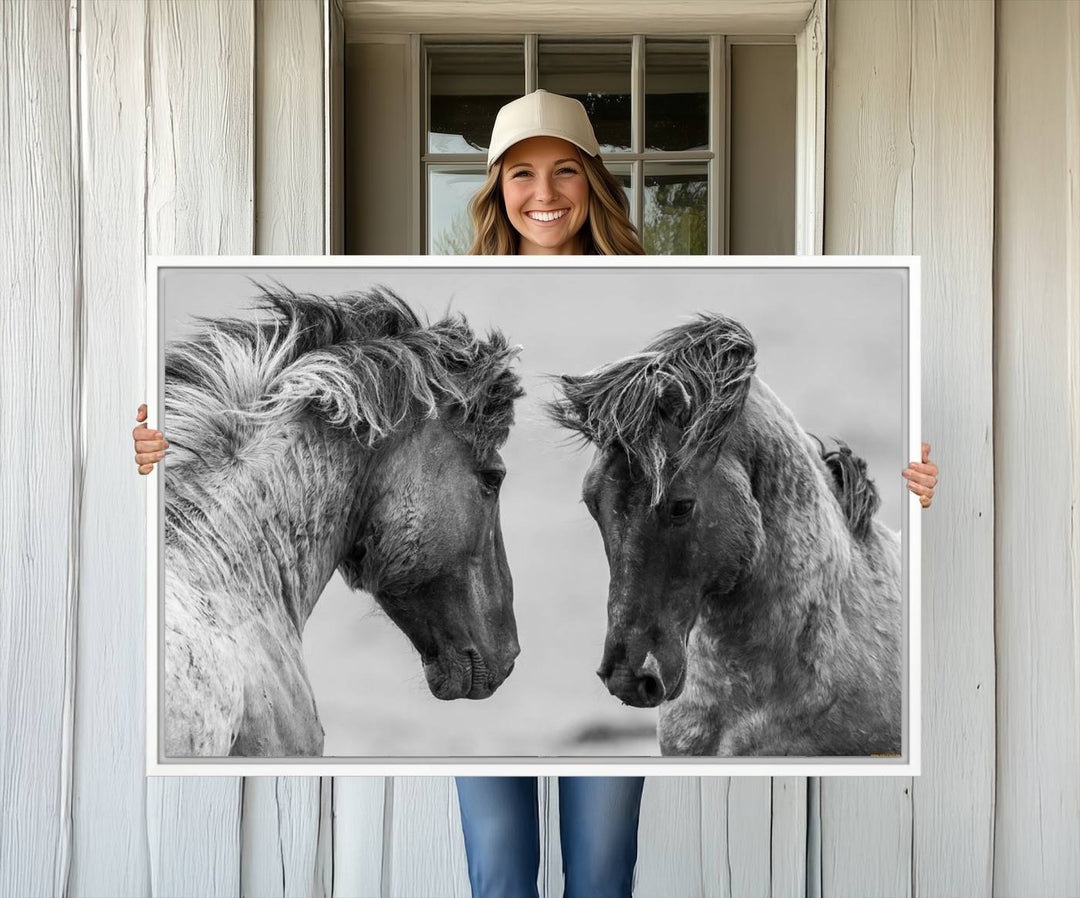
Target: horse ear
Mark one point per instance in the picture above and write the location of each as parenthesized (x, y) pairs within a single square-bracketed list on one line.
[(574, 399), (674, 402)]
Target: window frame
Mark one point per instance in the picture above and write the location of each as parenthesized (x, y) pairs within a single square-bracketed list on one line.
[(809, 42)]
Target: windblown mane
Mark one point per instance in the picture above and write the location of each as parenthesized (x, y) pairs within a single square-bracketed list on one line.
[(695, 377), (852, 486), (362, 361)]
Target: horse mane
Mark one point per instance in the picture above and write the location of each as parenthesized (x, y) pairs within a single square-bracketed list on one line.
[(692, 380), (852, 486), (361, 360)]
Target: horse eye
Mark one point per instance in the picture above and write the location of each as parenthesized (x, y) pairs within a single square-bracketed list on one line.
[(492, 478), (680, 508)]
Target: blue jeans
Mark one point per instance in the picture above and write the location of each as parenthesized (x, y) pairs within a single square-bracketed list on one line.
[(598, 821)]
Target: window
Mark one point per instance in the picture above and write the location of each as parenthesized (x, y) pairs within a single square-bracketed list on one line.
[(657, 105)]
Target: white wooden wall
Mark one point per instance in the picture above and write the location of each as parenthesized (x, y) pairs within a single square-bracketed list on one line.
[(191, 126)]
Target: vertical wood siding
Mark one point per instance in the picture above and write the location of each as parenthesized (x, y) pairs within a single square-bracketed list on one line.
[(1037, 822), (39, 445), (952, 126), (199, 200), (109, 771), (909, 169)]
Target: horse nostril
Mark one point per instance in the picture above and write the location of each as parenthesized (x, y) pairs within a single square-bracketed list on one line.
[(650, 690)]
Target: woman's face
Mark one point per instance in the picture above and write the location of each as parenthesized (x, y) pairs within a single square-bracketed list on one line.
[(546, 195)]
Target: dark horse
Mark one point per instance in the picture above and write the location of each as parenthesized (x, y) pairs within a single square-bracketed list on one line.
[(343, 434), (752, 594)]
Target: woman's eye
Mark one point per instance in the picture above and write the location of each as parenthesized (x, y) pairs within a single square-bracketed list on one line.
[(520, 174), (492, 479), (680, 509), (567, 171)]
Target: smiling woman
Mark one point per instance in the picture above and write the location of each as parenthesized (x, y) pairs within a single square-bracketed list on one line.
[(547, 191)]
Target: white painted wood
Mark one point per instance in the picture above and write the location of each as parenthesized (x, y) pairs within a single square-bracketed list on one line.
[(1037, 820), (788, 832), (199, 200), (193, 828), (289, 127), (110, 785), (362, 809), (952, 130), (39, 442), (868, 194), (555, 17), (810, 134), (334, 125), (735, 836), (280, 837), (670, 838), (427, 848)]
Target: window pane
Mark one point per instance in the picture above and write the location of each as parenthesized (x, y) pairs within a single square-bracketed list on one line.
[(466, 87), (449, 191), (623, 175), (676, 209), (597, 74), (676, 95)]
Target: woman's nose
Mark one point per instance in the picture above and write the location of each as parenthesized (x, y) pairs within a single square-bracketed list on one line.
[(545, 189)]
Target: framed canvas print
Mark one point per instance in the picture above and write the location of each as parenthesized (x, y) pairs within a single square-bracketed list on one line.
[(516, 516)]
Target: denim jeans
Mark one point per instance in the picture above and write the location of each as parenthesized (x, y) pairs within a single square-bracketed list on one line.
[(598, 821)]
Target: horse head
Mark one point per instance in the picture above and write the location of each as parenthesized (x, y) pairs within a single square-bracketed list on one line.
[(670, 489), (428, 541)]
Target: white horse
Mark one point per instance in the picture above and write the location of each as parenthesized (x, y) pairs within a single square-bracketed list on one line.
[(344, 434)]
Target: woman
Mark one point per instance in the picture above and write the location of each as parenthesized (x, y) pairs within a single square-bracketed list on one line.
[(548, 193)]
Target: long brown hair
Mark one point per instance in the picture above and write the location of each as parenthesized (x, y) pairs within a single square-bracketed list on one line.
[(607, 232)]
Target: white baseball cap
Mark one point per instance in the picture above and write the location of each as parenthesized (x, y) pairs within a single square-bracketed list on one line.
[(541, 114)]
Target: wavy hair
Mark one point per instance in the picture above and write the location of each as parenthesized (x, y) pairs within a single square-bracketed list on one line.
[(607, 231)]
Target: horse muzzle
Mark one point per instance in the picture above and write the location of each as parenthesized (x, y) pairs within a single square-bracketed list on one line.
[(644, 685), (454, 675)]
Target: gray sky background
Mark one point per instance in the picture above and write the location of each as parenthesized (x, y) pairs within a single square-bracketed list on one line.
[(829, 344)]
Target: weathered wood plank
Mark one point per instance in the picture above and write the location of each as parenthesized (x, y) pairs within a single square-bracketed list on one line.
[(362, 809), (735, 836), (110, 779), (39, 443), (868, 197), (1037, 455), (199, 200), (788, 830), (427, 848), (289, 130), (670, 838), (280, 837), (952, 131)]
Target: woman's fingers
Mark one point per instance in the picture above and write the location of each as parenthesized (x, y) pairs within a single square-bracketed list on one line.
[(151, 445), (145, 469), (140, 415), (918, 477), (920, 489), (147, 458)]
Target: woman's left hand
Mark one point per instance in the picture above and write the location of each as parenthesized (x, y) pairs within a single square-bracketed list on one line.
[(922, 477)]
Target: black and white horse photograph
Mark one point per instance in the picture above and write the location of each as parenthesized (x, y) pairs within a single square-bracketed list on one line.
[(533, 513)]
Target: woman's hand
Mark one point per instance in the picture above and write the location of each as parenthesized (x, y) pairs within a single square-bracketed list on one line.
[(922, 477), (150, 445)]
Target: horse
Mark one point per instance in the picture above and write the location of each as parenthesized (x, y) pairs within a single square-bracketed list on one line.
[(752, 595), (342, 433)]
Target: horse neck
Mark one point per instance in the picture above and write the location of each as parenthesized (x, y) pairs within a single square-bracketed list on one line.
[(806, 563), (262, 536)]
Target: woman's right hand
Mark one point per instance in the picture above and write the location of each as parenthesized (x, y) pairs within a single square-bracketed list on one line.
[(150, 445)]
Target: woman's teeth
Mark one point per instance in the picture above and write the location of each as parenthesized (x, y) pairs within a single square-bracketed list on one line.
[(546, 216)]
